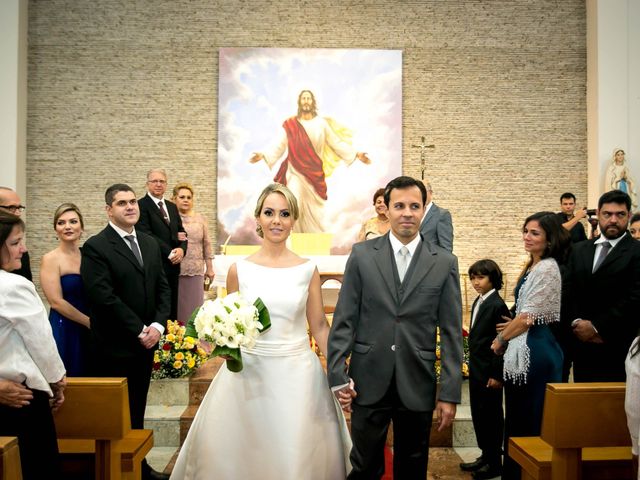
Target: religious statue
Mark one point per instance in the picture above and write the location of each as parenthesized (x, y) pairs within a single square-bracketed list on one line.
[(618, 177), (314, 146)]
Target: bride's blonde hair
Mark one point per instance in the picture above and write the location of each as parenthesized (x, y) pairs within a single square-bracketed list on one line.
[(292, 203)]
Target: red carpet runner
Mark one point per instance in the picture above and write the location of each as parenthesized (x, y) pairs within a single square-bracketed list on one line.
[(388, 464)]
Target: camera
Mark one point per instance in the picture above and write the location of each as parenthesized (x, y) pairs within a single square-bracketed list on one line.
[(590, 212)]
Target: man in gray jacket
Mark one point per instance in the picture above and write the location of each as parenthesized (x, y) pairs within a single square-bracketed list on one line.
[(436, 225), (397, 289)]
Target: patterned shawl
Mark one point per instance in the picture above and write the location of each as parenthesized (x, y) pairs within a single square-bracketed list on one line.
[(540, 298)]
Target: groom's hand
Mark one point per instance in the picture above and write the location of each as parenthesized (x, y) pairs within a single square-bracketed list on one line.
[(445, 413)]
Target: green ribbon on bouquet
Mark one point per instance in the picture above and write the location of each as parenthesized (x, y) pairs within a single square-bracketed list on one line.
[(232, 355)]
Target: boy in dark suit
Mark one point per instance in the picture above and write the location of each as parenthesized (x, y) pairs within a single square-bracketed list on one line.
[(485, 369)]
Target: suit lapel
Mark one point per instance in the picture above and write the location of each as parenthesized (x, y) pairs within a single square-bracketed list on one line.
[(473, 324), (588, 258), (153, 206), (121, 248), (619, 252), (427, 217), (420, 266), (147, 258), (383, 259)]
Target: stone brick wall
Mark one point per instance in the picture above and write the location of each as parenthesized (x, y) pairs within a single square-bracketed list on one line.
[(117, 87)]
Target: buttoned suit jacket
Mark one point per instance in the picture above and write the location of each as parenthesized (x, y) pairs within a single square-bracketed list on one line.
[(389, 330), (436, 227), (123, 296), (483, 363), (610, 299), (152, 223)]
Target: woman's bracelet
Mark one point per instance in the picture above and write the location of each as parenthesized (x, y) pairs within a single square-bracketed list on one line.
[(501, 340)]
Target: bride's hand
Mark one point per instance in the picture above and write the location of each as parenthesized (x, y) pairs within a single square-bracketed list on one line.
[(346, 395), (206, 346)]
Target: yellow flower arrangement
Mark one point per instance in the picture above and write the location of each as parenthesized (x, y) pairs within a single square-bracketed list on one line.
[(177, 355)]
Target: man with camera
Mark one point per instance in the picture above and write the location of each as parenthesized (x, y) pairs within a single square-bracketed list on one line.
[(571, 218)]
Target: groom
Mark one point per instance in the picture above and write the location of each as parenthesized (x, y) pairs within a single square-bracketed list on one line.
[(397, 289)]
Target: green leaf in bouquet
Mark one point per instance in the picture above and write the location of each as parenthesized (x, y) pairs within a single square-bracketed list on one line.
[(191, 324), (234, 362), (263, 315)]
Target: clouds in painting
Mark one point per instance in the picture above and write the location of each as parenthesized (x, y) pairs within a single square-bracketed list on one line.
[(258, 90)]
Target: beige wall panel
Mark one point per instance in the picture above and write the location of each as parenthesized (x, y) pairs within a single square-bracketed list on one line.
[(118, 87)]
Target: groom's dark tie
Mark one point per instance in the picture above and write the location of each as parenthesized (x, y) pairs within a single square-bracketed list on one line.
[(606, 246), (134, 248)]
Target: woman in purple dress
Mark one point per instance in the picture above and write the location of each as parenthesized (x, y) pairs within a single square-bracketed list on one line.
[(62, 285)]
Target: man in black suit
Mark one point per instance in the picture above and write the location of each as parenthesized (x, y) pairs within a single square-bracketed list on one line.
[(436, 226), (603, 278), (10, 202), (128, 298), (160, 219), (571, 217), (397, 289)]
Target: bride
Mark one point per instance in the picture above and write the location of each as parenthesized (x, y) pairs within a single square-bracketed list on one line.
[(277, 418)]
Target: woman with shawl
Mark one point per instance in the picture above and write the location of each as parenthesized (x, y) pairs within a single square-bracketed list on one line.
[(532, 357)]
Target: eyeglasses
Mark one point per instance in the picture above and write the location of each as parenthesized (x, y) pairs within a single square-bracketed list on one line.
[(161, 182), (14, 208)]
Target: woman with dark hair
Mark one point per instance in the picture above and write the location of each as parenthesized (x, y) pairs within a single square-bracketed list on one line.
[(378, 225), (532, 356), (62, 285), (29, 359)]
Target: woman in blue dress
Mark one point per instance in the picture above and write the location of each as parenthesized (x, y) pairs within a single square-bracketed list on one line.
[(532, 357), (62, 285)]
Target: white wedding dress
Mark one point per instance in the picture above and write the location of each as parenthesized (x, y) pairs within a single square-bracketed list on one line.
[(276, 419)]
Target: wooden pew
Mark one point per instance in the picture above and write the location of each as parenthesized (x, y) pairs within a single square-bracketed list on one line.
[(94, 419), (583, 424), (10, 468)]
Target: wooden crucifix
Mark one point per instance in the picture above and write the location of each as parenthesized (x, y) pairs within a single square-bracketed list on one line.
[(423, 150)]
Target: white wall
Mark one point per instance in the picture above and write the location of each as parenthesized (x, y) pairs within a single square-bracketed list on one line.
[(13, 92), (613, 85)]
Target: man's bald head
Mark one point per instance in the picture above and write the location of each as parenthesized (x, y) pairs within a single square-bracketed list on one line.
[(10, 201)]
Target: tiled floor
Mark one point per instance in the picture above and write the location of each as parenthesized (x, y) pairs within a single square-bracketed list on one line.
[(443, 462), (160, 457)]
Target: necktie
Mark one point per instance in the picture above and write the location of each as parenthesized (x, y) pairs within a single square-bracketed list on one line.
[(475, 311), (403, 262), (134, 248), (163, 212), (604, 251)]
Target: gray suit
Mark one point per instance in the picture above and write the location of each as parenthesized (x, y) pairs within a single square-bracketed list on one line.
[(389, 329), (436, 227)]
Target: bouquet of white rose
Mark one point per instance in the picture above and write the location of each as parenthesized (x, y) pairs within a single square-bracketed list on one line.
[(229, 324)]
